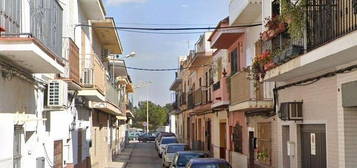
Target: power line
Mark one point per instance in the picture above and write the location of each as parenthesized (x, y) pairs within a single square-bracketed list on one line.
[(162, 69), (164, 24), (151, 32), (169, 29)]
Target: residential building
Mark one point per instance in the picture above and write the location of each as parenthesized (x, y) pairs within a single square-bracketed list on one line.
[(314, 81), (63, 98)]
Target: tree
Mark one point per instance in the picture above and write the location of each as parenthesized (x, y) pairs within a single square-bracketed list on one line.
[(157, 115)]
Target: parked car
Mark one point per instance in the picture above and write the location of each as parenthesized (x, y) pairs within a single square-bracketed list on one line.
[(146, 137), (208, 163), (181, 159), (170, 151), (132, 136), (160, 135), (165, 141)]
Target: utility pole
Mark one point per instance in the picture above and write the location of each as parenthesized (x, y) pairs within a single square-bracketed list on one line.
[(147, 111)]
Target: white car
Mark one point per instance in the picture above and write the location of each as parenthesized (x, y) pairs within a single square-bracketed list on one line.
[(170, 151), (165, 141)]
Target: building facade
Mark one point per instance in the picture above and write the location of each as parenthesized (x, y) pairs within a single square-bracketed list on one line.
[(63, 97)]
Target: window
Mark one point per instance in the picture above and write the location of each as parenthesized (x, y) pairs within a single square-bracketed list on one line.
[(238, 138), (264, 142), (234, 61)]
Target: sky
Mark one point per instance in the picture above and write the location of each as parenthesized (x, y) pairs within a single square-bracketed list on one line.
[(161, 50)]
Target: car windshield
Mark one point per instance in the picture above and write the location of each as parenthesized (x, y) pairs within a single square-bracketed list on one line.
[(168, 140), (185, 158), (175, 148), (212, 165)]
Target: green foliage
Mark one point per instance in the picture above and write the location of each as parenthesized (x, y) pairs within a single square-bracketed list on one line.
[(158, 115), (293, 14)]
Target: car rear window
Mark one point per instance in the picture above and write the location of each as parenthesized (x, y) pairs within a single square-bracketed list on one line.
[(185, 158), (211, 165), (175, 148), (168, 140)]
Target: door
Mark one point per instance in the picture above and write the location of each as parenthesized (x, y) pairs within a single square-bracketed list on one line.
[(223, 140), (208, 136), (251, 149), (18, 132), (285, 139), (79, 152), (313, 144), (58, 154)]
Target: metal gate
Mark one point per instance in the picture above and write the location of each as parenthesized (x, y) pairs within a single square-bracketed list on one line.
[(313, 146)]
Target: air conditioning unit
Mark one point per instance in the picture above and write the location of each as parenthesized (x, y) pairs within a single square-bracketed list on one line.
[(291, 111), (87, 76), (57, 94)]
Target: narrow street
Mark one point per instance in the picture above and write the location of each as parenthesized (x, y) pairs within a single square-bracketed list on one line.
[(144, 156)]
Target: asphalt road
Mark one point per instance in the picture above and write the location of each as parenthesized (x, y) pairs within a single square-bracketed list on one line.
[(144, 155)]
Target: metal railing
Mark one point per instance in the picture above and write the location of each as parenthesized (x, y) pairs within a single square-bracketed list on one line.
[(45, 21), (10, 15), (327, 20)]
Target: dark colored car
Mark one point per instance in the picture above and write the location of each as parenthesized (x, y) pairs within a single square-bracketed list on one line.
[(170, 152), (208, 163), (146, 137), (182, 158)]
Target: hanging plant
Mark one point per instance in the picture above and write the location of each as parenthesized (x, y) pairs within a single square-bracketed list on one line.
[(274, 26), (293, 15)]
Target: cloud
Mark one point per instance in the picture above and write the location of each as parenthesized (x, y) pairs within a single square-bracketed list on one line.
[(117, 2)]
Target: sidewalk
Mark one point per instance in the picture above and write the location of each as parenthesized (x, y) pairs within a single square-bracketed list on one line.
[(121, 160)]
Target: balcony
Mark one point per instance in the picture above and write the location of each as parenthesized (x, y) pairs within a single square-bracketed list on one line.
[(325, 47), (109, 38), (94, 9), (71, 53), (112, 94), (220, 94), (198, 100), (244, 12), (32, 43), (94, 81), (245, 96), (224, 38)]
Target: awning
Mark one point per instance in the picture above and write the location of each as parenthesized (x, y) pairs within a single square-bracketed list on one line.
[(105, 107)]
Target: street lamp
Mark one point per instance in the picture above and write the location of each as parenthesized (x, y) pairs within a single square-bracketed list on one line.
[(143, 85)]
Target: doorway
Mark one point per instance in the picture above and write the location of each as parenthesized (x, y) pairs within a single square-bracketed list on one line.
[(313, 146), (208, 136), (251, 149), (223, 140), (58, 154), (285, 139)]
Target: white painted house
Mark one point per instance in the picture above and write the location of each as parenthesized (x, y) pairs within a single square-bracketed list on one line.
[(52, 74)]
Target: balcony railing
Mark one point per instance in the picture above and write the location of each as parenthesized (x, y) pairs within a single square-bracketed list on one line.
[(191, 101), (45, 21), (243, 89), (328, 20), (183, 98), (112, 94), (71, 53), (338, 17)]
